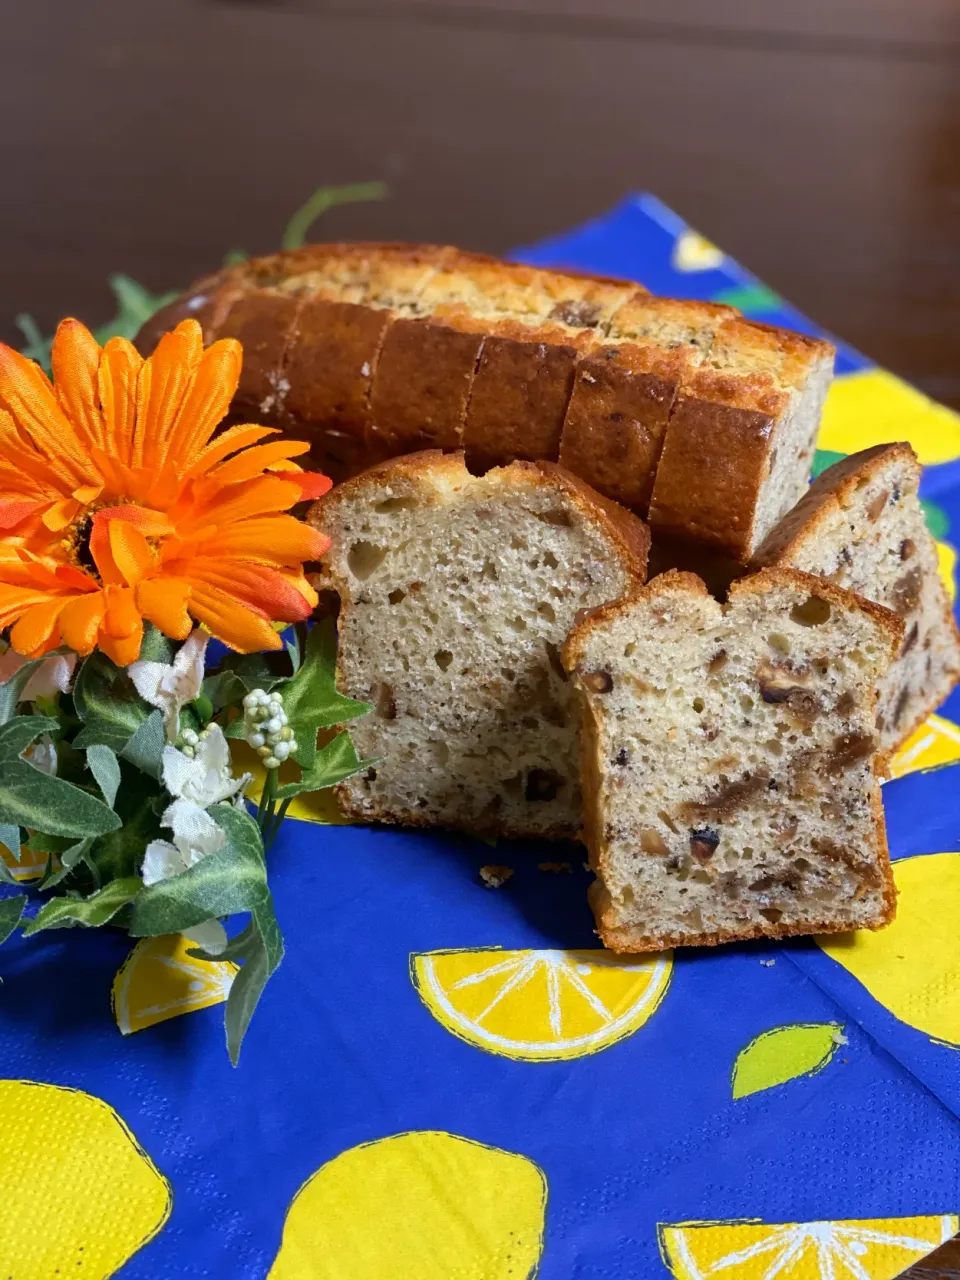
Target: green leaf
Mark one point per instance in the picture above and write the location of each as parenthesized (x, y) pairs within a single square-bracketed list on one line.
[(753, 299), (107, 703), (324, 198), (135, 305), (784, 1053), (10, 838), (93, 911), (938, 522), (334, 762), (11, 690), (145, 748), (259, 670), (223, 689), (310, 698), (38, 347), (31, 798), (69, 859), (11, 909), (105, 767), (232, 879), (139, 803), (823, 458), (261, 958), (155, 647)]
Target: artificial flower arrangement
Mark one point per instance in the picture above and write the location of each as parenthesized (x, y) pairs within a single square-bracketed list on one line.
[(135, 540)]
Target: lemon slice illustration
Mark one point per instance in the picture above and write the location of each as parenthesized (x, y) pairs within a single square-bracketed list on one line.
[(691, 252), (912, 967), (159, 980), (80, 1197), (874, 407), (879, 1248), (947, 564), (540, 1006), (936, 742), (416, 1206)]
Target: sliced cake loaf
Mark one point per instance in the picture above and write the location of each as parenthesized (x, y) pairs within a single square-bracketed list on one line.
[(457, 593), (371, 351), (861, 525), (730, 762)]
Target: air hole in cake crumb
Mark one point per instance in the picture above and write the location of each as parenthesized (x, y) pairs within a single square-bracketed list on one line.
[(813, 612), (396, 596), (771, 914), (489, 571), (517, 624), (442, 752), (701, 877), (363, 558), (542, 784), (553, 657), (550, 560), (774, 746), (385, 703), (443, 658), (508, 673), (668, 821), (517, 542), (513, 785), (746, 703), (802, 865), (779, 642), (717, 662), (396, 504), (698, 705), (557, 516), (630, 649), (547, 611)]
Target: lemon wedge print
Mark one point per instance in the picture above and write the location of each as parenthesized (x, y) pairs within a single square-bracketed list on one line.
[(912, 967), (416, 1206), (879, 1248), (691, 252), (79, 1195), (540, 1006), (874, 407), (313, 806), (159, 980), (936, 742), (947, 564)]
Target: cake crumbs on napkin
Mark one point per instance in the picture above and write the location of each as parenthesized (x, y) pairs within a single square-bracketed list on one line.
[(556, 868), (493, 877), (768, 964)]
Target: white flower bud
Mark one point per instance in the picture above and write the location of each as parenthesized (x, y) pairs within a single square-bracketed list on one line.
[(286, 733), (281, 750), (256, 740), (189, 752), (293, 746), (190, 738), (255, 695), (272, 726), (272, 762), (250, 700), (276, 697), (263, 752)]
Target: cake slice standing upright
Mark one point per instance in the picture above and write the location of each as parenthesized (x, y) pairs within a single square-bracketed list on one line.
[(861, 525), (730, 763), (457, 593)]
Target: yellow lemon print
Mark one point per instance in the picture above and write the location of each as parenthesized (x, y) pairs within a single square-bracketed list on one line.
[(691, 252), (936, 742), (416, 1206), (80, 1197), (30, 867), (912, 967), (947, 563), (878, 1248), (874, 407), (540, 1006), (159, 980), (315, 806)]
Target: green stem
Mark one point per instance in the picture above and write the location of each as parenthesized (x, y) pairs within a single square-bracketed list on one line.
[(327, 198), (268, 800), (274, 831)]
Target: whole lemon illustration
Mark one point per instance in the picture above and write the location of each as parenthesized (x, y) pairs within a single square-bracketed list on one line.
[(912, 967), (79, 1195), (416, 1206)]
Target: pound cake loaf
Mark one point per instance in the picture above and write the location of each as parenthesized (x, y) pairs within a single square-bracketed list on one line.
[(730, 764), (457, 593), (861, 525), (683, 411)]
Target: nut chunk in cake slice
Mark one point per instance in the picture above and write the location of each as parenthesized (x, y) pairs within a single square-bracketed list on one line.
[(457, 593), (730, 763), (861, 525)]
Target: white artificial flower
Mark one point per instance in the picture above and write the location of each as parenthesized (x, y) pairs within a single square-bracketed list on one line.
[(43, 755), (171, 686), (195, 836), (211, 936), (51, 678)]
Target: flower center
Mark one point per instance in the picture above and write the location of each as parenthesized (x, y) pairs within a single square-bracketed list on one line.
[(80, 544)]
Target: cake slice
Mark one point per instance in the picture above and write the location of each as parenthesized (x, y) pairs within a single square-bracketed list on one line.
[(861, 525), (457, 593), (730, 765)]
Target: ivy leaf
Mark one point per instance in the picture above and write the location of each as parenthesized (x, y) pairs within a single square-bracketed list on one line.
[(258, 670), (334, 762), (784, 1053), (93, 911), (11, 690), (120, 853), (261, 958), (107, 703), (11, 909), (310, 698), (105, 767), (10, 838), (69, 860), (31, 798), (223, 689), (155, 647), (145, 748)]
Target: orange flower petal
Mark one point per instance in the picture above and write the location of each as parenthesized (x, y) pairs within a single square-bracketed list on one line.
[(124, 650), (229, 622), (165, 379), (153, 524), (15, 512), (256, 586), (102, 553), (206, 403), (163, 601), (252, 462), (122, 617), (313, 484), (60, 514), (37, 628), (130, 550), (272, 539), (120, 366), (26, 393), (80, 621), (227, 442), (267, 496), (76, 359)]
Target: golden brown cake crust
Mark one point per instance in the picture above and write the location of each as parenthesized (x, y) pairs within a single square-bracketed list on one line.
[(368, 350)]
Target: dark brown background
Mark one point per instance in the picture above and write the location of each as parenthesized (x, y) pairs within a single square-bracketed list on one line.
[(818, 140)]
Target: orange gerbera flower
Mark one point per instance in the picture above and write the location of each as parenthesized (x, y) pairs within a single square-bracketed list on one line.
[(118, 503)]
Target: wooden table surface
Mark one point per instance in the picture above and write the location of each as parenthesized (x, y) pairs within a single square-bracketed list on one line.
[(818, 142)]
